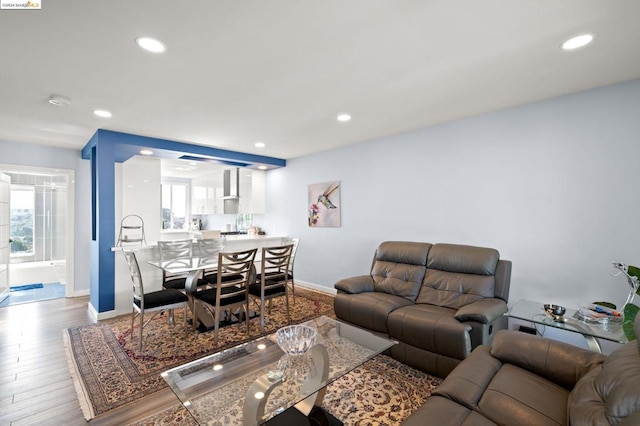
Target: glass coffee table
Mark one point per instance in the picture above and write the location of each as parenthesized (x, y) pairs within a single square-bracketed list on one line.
[(592, 331), (256, 382)]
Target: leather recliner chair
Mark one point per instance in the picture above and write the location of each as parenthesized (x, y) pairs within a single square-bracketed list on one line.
[(439, 301), (530, 380)]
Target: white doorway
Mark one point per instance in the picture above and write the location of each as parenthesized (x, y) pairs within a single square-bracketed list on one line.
[(42, 230), (4, 235)]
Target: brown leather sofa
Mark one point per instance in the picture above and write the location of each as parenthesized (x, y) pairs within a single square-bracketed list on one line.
[(439, 301), (530, 380)]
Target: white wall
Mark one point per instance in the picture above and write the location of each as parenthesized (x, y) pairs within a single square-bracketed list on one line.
[(34, 155), (551, 185)]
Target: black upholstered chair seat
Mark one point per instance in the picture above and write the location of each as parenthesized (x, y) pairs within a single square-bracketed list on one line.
[(179, 283), (212, 278), (209, 296), (254, 290), (162, 298)]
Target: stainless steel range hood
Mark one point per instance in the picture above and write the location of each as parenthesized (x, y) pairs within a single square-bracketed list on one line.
[(231, 190)]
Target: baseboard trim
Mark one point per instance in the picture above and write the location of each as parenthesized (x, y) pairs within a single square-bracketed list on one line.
[(97, 316), (316, 287)]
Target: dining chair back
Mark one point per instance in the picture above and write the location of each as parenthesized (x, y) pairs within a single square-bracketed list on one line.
[(176, 254), (153, 302), (208, 250), (273, 279), (292, 283), (229, 298)]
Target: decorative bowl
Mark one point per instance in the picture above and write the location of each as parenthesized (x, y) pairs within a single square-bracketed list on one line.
[(555, 310), (296, 339)]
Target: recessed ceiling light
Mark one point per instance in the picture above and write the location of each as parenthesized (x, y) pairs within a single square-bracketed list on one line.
[(58, 100), (262, 167), (344, 118), (260, 144), (146, 152), (151, 44), (102, 113), (578, 41), (192, 163)]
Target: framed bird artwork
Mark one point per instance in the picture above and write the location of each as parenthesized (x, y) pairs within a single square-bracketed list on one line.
[(324, 204)]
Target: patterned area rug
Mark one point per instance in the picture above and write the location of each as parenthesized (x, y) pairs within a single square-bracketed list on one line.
[(381, 392), (109, 371)]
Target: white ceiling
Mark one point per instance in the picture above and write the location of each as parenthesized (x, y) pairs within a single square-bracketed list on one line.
[(279, 71)]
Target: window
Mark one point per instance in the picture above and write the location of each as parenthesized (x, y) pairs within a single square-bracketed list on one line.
[(22, 220), (174, 205)]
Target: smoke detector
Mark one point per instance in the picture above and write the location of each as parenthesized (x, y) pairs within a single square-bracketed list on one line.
[(58, 100)]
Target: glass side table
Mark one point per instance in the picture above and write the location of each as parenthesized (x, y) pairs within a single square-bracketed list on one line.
[(533, 312)]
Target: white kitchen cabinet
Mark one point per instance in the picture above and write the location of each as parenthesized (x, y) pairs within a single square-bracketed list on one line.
[(206, 193), (252, 192)]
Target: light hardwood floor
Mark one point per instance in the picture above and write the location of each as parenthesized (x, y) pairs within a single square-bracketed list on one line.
[(35, 384)]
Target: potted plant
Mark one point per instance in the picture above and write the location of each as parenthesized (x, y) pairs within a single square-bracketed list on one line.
[(629, 310)]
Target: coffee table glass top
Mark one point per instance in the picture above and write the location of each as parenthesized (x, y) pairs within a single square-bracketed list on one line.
[(534, 312), (213, 388)]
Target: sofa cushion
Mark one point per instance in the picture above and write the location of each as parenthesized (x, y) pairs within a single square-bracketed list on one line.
[(556, 361), (443, 411), (609, 394), (454, 290), (468, 381), (504, 393), (458, 275), (463, 259), (399, 268), (518, 396), (432, 328), (368, 310)]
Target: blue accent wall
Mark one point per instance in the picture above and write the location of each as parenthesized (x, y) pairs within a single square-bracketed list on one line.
[(105, 149)]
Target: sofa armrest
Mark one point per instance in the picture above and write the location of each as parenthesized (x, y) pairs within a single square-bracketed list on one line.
[(354, 285), (484, 311), (556, 361)]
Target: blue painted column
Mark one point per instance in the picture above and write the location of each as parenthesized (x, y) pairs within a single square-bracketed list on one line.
[(102, 287)]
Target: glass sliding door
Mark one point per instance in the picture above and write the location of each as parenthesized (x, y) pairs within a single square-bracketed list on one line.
[(22, 221)]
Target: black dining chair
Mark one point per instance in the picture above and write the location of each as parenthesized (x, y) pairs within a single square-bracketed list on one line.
[(176, 254), (153, 302), (229, 297), (273, 279)]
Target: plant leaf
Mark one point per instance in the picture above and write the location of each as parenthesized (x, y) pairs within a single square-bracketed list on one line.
[(606, 305), (634, 271), (630, 312)]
